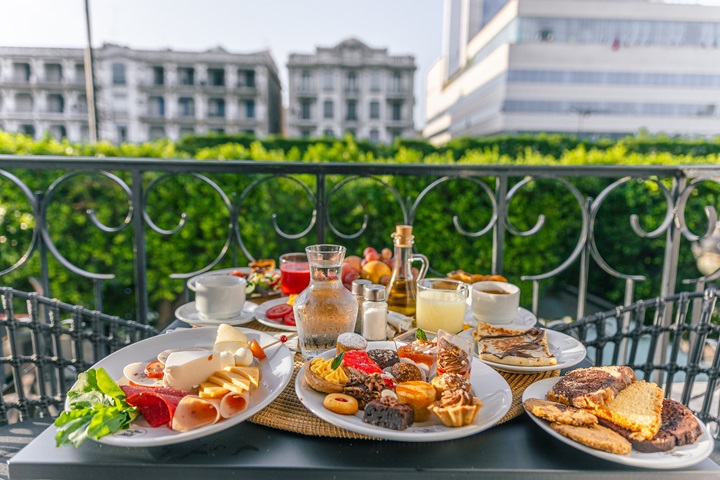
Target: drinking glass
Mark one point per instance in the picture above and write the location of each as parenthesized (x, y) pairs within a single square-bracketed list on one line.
[(294, 273), (441, 304)]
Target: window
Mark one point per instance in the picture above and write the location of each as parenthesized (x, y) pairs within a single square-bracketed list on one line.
[(374, 109), (351, 110), (23, 102), (53, 72), (157, 133), (352, 82), (246, 78), (328, 80), (79, 73), (121, 133), (305, 133), (216, 77), (58, 132), (305, 112), (328, 109), (82, 105), (158, 75), (118, 74), (186, 75), (28, 130), (156, 106), (185, 131), (397, 82), (305, 81), (216, 107), (375, 80), (21, 72), (396, 111), (249, 131), (328, 133), (350, 131), (55, 103), (374, 135), (186, 107), (250, 108)]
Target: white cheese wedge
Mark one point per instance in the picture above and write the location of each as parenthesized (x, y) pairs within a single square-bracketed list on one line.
[(186, 370)]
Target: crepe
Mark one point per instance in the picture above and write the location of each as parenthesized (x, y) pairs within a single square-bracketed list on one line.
[(527, 348)]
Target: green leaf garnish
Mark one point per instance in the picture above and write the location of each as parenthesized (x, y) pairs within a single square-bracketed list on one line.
[(337, 361), (420, 334)]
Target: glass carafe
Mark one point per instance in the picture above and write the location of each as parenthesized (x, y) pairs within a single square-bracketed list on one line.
[(325, 309), (402, 289)]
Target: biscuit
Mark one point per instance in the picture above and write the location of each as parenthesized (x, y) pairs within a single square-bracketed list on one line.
[(557, 412), (595, 436), (341, 403)]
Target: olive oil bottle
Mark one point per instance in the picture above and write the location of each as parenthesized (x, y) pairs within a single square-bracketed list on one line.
[(402, 289)]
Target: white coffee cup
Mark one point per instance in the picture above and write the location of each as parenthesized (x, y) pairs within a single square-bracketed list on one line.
[(495, 302), (219, 297)]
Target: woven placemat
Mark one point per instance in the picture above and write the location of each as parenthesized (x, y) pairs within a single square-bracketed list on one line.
[(287, 413)]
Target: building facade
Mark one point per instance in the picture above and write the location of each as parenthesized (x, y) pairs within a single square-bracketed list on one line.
[(351, 89), (586, 67), (141, 94)]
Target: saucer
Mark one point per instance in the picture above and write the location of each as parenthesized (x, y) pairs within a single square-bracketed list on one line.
[(523, 320), (188, 313)]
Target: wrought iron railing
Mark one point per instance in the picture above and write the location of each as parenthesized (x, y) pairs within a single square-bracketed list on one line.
[(322, 188)]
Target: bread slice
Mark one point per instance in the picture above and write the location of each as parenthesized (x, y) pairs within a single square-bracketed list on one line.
[(638, 408), (591, 387), (513, 347)]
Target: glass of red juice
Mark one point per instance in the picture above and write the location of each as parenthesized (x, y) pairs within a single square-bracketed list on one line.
[(294, 273)]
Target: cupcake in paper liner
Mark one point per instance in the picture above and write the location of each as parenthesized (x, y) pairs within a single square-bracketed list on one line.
[(456, 408)]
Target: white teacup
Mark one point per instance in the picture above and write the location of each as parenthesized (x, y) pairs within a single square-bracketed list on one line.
[(495, 302), (218, 297)]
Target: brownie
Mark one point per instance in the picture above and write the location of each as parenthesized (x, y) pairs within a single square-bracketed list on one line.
[(387, 412), (406, 372), (384, 358)]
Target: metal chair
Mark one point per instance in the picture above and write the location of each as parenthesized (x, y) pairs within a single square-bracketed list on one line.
[(45, 344), (670, 340)]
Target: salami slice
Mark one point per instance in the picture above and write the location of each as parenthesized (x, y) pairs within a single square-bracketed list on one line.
[(157, 408), (135, 389)]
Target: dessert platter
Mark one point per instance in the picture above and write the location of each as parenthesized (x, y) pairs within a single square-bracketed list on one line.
[(530, 350), (174, 405), (397, 408), (607, 413), (189, 314)]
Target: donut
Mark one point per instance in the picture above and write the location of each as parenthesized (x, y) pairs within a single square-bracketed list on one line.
[(341, 403)]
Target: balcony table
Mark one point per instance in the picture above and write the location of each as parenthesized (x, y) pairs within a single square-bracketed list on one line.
[(516, 449)]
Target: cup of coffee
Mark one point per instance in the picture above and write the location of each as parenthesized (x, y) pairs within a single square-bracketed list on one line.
[(218, 297), (495, 302)]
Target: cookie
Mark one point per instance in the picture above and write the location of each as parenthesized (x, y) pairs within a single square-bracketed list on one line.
[(557, 412), (595, 436), (341, 403)]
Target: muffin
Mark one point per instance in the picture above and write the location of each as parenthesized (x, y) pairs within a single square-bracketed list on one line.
[(456, 408), (406, 372), (419, 395), (450, 381), (350, 341)]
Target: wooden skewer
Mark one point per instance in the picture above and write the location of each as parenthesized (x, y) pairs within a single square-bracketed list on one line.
[(283, 339)]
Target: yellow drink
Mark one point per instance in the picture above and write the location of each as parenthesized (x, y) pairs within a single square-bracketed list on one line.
[(440, 309)]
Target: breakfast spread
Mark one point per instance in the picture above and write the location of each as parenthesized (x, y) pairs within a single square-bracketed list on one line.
[(607, 408), (513, 347), (391, 388)]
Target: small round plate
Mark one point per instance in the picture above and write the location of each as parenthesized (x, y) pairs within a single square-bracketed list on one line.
[(524, 320), (260, 315), (188, 313)]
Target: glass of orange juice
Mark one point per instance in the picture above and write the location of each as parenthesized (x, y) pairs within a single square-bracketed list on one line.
[(441, 304)]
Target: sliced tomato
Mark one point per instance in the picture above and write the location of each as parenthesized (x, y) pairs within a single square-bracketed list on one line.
[(257, 350), (155, 370), (289, 319), (278, 311)]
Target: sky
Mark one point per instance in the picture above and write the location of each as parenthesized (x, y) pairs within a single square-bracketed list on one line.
[(404, 27)]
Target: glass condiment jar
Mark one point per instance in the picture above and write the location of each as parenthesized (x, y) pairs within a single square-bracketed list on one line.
[(326, 308), (375, 313), (402, 288)]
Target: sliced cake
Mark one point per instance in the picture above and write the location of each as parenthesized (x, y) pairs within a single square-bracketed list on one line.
[(591, 387), (637, 407)]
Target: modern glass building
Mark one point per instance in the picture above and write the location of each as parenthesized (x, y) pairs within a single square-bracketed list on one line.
[(587, 67)]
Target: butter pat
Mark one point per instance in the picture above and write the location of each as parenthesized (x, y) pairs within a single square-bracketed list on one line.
[(187, 369)]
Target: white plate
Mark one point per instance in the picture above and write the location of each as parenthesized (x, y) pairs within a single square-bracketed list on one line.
[(488, 386), (188, 313), (276, 371), (568, 351), (677, 458), (262, 318), (524, 319)]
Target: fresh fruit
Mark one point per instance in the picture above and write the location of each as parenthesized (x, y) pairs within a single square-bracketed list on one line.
[(348, 278), (354, 260), (257, 350), (385, 280), (375, 270), (368, 251), (347, 268), (155, 370), (278, 311), (386, 253)]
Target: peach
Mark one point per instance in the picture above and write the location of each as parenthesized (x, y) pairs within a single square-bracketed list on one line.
[(354, 260), (375, 270)]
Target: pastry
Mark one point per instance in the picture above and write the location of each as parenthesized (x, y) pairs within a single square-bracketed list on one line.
[(419, 395), (320, 375), (513, 347), (638, 408), (591, 387), (350, 341), (384, 357), (558, 412), (595, 436), (452, 359), (406, 372), (449, 381), (341, 403), (387, 412), (363, 387), (456, 408)]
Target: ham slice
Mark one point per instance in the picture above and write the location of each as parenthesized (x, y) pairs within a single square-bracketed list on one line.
[(157, 405), (194, 412), (135, 389), (233, 403)]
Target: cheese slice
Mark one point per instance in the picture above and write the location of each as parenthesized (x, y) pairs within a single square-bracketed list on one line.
[(212, 390), (252, 373), (185, 370), (513, 347), (228, 333)]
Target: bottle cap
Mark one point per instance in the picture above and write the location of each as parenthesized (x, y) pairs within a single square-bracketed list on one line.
[(358, 286), (403, 235), (375, 293)]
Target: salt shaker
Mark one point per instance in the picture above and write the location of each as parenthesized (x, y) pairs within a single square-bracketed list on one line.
[(374, 326), (357, 290)]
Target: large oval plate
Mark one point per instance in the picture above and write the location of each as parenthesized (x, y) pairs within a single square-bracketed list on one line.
[(276, 371), (488, 386), (676, 458)]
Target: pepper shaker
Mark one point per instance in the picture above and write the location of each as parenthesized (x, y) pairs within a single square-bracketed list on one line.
[(358, 290), (375, 313)]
